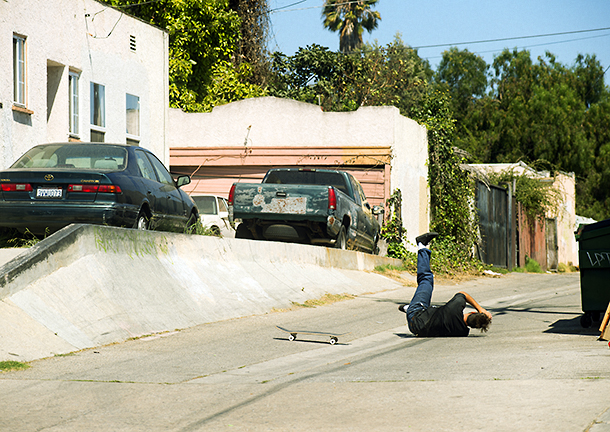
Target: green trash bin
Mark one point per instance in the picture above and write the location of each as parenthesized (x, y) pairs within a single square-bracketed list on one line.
[(594, 261)]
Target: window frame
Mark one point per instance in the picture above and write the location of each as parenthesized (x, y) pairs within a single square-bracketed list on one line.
[(97, 104), (19, 71), (74, 103), (132, 135)]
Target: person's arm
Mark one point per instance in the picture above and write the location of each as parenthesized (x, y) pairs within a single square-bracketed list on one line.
[(472, 302)]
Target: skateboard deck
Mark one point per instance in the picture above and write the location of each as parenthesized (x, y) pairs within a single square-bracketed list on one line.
[(334, 337)]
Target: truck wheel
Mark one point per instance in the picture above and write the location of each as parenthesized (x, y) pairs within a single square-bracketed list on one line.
[(243, 232), (341, 242)]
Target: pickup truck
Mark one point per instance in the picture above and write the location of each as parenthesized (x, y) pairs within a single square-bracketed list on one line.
[(313, 206)]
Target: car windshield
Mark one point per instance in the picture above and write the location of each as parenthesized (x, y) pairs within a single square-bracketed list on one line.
[(307, 177), (94, 157), (206, 204)]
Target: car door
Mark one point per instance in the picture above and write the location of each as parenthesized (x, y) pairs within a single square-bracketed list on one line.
[(152, 189), (365, 216), (171, 204), (223, 213)]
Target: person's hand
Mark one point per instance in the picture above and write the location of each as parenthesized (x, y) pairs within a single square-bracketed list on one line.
[(486, 312)]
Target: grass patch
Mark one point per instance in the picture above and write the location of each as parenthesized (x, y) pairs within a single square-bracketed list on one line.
[(395, 272), (532, 266), (389, 268), (6, 366), (70, 354), (566, 268), (11, 238), (326, 299), (199, 229), (499, 270)]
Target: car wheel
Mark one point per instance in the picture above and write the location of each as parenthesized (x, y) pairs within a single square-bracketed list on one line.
[(142, 221), (341, 242)]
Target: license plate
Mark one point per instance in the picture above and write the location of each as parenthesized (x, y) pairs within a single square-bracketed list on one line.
[(296, 205), (49, 193)]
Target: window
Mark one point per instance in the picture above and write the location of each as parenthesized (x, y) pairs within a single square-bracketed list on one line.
[(74, 107), (81, 156), (164, 176), (206, 204), (133, 115), (222, 204), (146, 168), (355, 190), (98, 112), (19, 95)]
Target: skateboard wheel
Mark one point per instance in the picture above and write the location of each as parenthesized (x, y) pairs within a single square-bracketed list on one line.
[(333, 340), (292, 337)]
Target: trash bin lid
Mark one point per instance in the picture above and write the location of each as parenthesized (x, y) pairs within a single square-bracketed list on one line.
[(591, 231)]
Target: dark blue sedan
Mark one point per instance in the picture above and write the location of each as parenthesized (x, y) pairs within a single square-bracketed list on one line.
[(54, 185)]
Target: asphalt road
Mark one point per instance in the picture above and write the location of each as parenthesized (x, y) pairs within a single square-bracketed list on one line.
[(536, 369)]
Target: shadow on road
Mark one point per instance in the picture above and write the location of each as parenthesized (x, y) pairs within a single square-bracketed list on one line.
[(572, 326)]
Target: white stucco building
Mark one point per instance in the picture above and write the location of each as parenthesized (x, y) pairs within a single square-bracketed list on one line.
[(81, 71), (240, 141)]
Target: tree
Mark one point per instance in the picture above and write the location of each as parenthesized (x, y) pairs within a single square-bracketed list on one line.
[(350, 18), (375, 76), (593, 187), (543, 112), (251, 45), (396, 76), (310, 75), (464, 75), (201, 34)]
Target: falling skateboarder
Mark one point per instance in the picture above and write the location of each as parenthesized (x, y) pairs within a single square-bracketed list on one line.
[(448, 320)]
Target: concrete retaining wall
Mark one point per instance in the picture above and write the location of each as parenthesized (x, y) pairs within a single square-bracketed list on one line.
[(87, 285)]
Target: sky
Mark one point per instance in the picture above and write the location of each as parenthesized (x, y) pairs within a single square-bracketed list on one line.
[(298, 23)]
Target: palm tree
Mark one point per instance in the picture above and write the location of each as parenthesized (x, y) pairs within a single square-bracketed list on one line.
[(350, 17)]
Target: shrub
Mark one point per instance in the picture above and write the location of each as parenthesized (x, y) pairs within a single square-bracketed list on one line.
[(532, 266)]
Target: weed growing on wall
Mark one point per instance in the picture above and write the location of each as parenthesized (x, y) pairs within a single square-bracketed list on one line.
[(392, 231)]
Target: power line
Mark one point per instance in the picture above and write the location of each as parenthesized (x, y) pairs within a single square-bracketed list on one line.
[(530, 46), (283, 8), (287, 6), (512, 38)]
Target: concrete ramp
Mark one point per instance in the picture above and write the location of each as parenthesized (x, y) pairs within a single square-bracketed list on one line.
[(88, 285)]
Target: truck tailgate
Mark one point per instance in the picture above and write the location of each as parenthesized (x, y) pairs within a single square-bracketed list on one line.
[(281, 201)]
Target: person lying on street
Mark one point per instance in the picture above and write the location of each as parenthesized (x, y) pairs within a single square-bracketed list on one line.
[(447, 320)]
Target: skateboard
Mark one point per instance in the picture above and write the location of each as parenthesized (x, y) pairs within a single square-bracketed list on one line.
[(334, 337)]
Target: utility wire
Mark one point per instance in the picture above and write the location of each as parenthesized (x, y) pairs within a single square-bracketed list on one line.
[(529, 46), (287, 6), (513, 38), (283, 8)]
